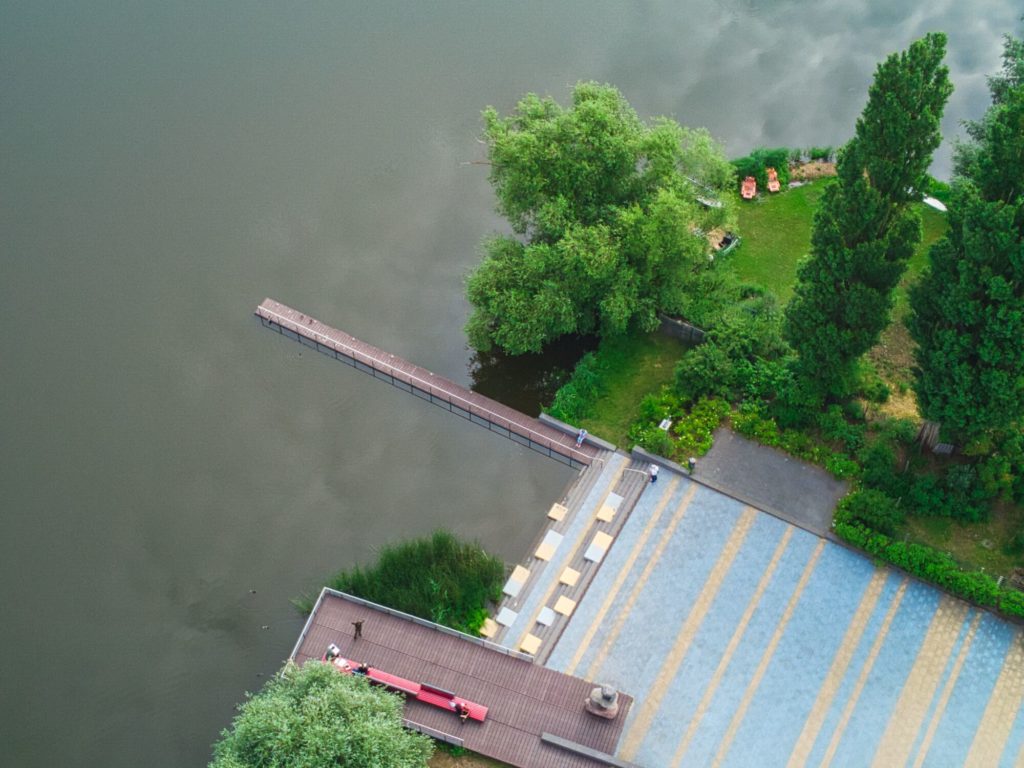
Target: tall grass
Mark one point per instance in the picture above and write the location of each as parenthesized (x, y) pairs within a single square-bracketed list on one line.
[(437, 577)]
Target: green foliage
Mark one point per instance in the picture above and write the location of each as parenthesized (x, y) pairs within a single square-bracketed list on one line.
[(878, 468), (606, 210), (834, 426), (694, 431), (872, 509), (927, 564), (968, 307), (438, 578), (315, 716), (1011, 603), (940, 190), (738, 356), (575, 400), (758, 162), (823, 154), (864, 230)]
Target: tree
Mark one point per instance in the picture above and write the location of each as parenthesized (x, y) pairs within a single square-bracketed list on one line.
[(968, 307), (864, 231), (313, 716), (607, 218)]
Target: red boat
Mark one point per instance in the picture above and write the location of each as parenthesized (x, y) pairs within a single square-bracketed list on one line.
[(428, 694), (749, 188)]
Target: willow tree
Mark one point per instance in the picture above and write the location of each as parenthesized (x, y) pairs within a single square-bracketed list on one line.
[(313, 715), (607, 219), (968, 307), (864, 229)]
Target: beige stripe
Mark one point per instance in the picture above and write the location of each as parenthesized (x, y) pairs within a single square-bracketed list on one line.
[(766, 657), (666, 675), (919, 688), (730, 649), (837, 671), (621, 578), (1003, 704), (947, 691), (620, 620), (869, 664), (555, 583)]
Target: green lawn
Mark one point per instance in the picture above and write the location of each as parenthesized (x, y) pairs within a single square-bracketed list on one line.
[(637, 366), (776, 232), (977, 544)]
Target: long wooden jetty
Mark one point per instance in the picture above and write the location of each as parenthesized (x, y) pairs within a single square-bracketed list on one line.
[(474, 407)]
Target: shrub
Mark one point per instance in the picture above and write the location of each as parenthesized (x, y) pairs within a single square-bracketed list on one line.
[(704, 371), (695, 430), (1011, 602), (878, 469), (757, 162), (873, 509), (928, 564), (823, 154), (834, 426), (842, 466), (651, 438), (902, 431), (575, 399)]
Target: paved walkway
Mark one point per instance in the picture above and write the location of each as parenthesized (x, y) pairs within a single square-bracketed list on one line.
[(745, 640), (766, 478)]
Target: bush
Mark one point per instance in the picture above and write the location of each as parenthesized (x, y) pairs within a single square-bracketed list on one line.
[(1011, 602), (437, 578), (704, 371), (651, 438), (757, 162), (842, 466), (903, 431), (824, 154), (575, 399), (878, 469), (834, 426), (873, 509), (928, 564), (695, 430)]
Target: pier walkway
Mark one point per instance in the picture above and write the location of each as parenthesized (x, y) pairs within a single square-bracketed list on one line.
[(473, 407)]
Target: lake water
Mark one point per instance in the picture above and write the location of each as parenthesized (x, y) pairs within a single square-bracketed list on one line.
[(164, 166)]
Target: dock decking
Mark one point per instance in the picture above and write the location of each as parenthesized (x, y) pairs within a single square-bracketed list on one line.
[(525, 700), (426, 385)]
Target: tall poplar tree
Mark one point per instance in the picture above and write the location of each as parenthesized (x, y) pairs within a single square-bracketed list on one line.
[(864, 229), (968, 307)]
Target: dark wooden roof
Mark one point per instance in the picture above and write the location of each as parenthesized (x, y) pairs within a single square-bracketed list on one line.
[(525, 699)]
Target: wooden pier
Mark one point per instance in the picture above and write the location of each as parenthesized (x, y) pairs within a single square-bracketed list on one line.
[(535, 718), (473, 407)]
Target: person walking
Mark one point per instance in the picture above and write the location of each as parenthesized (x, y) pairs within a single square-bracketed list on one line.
[(692, 464), (358, 629), (653, 472)]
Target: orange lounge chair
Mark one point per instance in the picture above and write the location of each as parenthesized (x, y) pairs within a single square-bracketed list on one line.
[(749, 188), (773, 180)]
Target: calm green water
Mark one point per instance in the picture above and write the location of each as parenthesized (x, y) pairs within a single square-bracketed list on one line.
[(163, 167)]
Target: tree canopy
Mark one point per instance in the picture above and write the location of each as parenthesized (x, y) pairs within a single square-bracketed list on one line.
[(968, 307), (864, 231), (312, 716), (605, 211)]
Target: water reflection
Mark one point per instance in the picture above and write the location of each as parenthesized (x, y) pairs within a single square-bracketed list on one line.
[(528, 382)]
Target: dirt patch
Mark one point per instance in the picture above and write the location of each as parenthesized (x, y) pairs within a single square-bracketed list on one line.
[(811, 171)]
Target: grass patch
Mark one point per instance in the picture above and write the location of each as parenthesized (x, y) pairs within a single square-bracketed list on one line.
[(632, 366), (979, 545), (776, 231), (437, 578)]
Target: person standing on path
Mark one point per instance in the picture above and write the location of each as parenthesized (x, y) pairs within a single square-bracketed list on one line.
[(358, 629), (653, 472), (692, 464)]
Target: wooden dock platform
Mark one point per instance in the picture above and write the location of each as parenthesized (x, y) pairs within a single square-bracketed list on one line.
[(527, 704), (473, 407)]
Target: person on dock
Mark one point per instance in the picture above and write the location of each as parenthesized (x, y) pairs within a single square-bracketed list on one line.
[(653, 472), (363, 669), (358, 629), (580, 437)]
